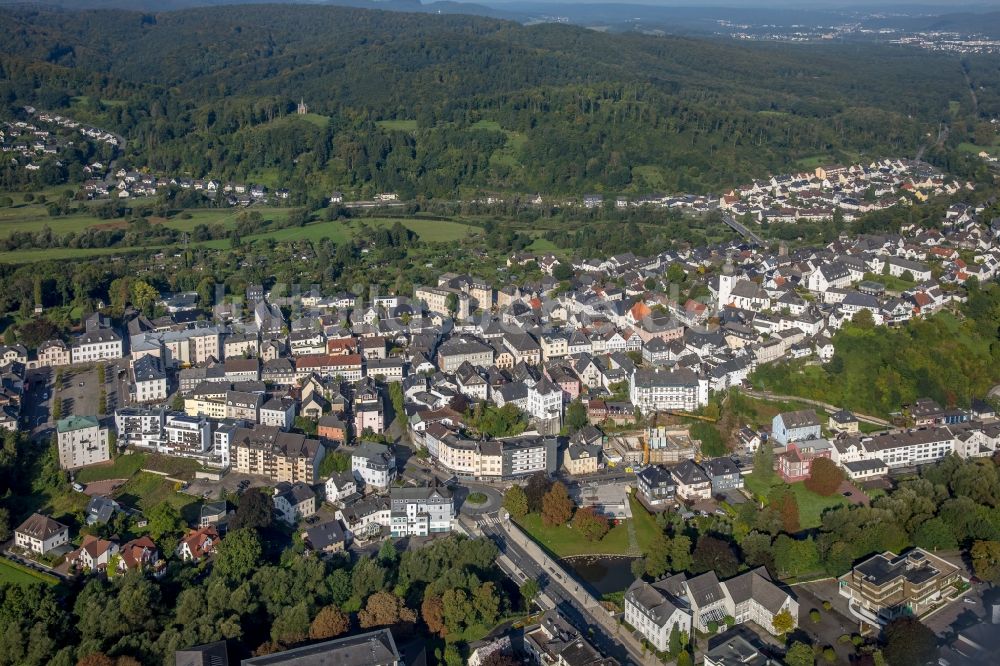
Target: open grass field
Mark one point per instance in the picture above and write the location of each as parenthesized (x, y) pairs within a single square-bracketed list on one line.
[(398, 125), (62, 253), (432, 231), (145, 490), (651, 173), (563, 541), (12, 572), (509, 154), (811, 505), (975, 149), (122, 467)]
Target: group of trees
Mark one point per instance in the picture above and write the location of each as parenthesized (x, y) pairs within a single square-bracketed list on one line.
[(600, 112), (450, 590), (552, 502), (948, 358)]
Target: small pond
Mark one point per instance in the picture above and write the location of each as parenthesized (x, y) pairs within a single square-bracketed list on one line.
[(604, 574)]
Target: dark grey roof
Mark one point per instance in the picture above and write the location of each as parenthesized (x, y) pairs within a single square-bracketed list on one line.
[(719, 467), (376, 648), (210, 654), (689, 473), (803, 418), (324, 535)]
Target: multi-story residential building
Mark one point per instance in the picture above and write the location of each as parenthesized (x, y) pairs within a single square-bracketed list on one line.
[(581, 458), (240, 345), (40, 534), (656, 609), (525, 455), (54, 353), (340, 486), (374, 464), (795, 426), (695, 603), (330, 366), (555, 642), (369, 411), (242, 369), (723, 473), (661, 389), (278, 412), (904, 448), (168, 433), (692, 483), (192, 346), (795, 464), (81, 441), (420, 511), (656, 485), (279, 456), (97, 344), (887, 586), (365, 518), (293, 501), (545, 405), (453, 353), (149, 380), (843, 421)]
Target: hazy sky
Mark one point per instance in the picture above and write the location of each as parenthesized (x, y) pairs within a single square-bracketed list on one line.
[(943, 6)]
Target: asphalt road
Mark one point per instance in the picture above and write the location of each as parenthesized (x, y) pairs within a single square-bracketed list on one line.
[(556, 585)]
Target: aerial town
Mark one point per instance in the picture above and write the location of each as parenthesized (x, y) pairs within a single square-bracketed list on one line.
[(447, 334), (401, 417)]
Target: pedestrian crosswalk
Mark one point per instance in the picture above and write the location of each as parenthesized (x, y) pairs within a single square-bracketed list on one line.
[(488, 520)]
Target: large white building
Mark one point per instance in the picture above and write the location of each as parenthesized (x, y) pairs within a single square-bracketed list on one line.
[(149, 381), (81, 441), (97, 344), (420, 511), (40, 534), (695, 603), (374, 464), (662, 389)]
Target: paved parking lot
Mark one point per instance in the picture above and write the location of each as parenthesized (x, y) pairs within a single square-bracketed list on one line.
[(832, 623), (232, 483)]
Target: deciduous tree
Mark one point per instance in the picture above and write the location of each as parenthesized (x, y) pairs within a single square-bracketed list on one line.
[(238, 555), (590, 524), (328, 623), (825, 477), (384, 609), (557, 507), (516, 502), (908, 642)]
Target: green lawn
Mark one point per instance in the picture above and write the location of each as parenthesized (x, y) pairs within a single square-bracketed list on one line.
[(146, 490), (122, 467), (398, 125), (652, 174), (12, 572), (645, 524), (63, 253), (811, 505), (340, 230), (564, 541)]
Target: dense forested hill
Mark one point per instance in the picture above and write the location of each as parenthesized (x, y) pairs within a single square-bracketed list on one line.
[(472, 102)]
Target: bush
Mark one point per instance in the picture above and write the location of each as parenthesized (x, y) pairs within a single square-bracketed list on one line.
[(827, 605), (814, 615), (477, 498)]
